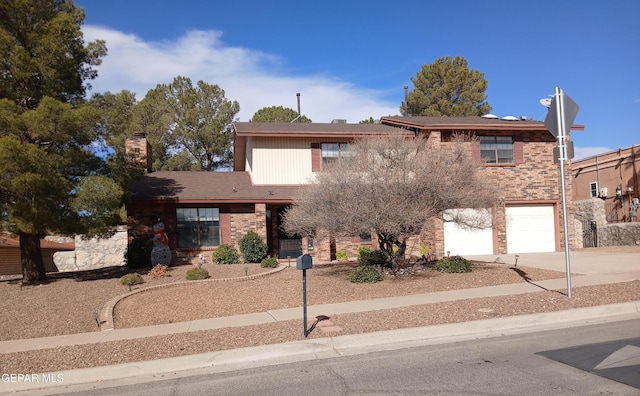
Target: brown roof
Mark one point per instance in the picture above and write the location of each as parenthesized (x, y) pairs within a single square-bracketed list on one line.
[(9, 241), (468, 123), (298, 129), (193, 187)]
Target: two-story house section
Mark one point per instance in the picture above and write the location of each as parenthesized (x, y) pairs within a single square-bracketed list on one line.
[(518, 155), (290, 153), (273, 162)]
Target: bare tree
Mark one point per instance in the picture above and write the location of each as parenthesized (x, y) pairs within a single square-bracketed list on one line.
[(393, 186)]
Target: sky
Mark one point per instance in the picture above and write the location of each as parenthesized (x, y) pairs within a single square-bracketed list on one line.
[(350, 59)]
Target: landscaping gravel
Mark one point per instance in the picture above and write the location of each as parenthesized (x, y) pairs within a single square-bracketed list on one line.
[(65, 305)]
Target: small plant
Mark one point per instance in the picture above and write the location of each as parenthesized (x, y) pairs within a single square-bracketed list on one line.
[(159, 271), (226, 254), (365, 274), (453, 264), (269, 262), (341, 255), (252, 247), (425, 251), (375, 257), (138, 254), (131, 279), (362, 251), (197, 273)]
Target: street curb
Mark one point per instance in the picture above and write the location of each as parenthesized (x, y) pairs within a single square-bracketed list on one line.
[(322, 348)]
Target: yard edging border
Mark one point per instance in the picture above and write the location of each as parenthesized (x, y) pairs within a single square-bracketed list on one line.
[(106, 313)]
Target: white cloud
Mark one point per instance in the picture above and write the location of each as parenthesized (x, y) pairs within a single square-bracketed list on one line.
[(246, 75), (586, 152)]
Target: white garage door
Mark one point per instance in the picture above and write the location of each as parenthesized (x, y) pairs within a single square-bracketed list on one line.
[(530, 229), (461, 241)]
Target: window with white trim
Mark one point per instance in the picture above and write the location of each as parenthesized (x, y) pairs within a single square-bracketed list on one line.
[(198, 227), (497, 149), (593, 187)]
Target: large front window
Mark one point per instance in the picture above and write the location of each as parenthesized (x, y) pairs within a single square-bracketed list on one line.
[(496, 149), (198, 227), (332, 151)]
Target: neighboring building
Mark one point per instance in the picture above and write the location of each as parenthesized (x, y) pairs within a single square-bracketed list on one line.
[(274, 161), (613, 177), (10, 254)]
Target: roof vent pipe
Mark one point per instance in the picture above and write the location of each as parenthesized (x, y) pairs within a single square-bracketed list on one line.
[(299, 114), (406, 104)]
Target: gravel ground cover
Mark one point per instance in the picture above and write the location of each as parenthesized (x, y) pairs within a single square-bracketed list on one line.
[(65, 305)]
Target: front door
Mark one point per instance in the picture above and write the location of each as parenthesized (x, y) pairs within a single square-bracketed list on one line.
[(289, 246)]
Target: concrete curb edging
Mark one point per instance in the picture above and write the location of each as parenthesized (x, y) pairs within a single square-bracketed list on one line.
[(322, 348), (105, 316)]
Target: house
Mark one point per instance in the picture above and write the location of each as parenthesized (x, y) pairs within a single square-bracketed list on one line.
[(10, 254), (615, 178), (274, 161)]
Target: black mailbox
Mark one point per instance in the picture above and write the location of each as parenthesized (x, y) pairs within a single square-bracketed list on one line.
[(304, 262)]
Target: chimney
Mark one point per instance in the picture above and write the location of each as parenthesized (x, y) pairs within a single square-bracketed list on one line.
[(139, 149)]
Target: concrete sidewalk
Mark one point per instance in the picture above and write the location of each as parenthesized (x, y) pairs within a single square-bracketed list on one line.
[(313, 310), (595, 269)]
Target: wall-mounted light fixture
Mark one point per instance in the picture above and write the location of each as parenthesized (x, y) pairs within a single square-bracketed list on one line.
[(619, 190)]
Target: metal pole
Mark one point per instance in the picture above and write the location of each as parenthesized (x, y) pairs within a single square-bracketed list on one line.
[(304, 300), (562, 150)]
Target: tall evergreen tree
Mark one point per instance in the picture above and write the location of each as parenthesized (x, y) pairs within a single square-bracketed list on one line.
[(447, 87), (46, 160), (278, 114)]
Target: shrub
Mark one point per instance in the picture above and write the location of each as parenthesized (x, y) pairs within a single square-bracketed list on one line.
[(363, 250), (453, 264), (131, 279), (375, 257), (365, 274), (252, 247), (341, 255), (138, 254), (269, 262), (226, 254), (159, 271), (197, 273)]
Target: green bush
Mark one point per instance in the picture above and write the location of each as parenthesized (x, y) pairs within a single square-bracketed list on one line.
[(269, 262), (131, 279), (341, 255), (226, 254), (375, 257), (252, 247), (365, 274), (362, 251), (197, 273), (138, 254), (453, 264)]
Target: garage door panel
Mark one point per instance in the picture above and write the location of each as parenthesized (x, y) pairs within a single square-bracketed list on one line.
[(459, 240), (530, 229)]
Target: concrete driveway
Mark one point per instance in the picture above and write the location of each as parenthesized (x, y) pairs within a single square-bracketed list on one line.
[(583, 261)]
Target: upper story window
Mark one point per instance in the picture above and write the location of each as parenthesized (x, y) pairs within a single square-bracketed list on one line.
[(198, 227), (593, 187), (331, 151), (497, 149)]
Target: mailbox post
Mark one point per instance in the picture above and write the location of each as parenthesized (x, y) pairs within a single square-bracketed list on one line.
[(304, 263)]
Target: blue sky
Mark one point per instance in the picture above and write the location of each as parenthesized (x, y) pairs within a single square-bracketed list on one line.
[(351, 59)]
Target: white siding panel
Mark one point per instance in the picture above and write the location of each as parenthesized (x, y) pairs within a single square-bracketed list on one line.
[(281, 161)]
